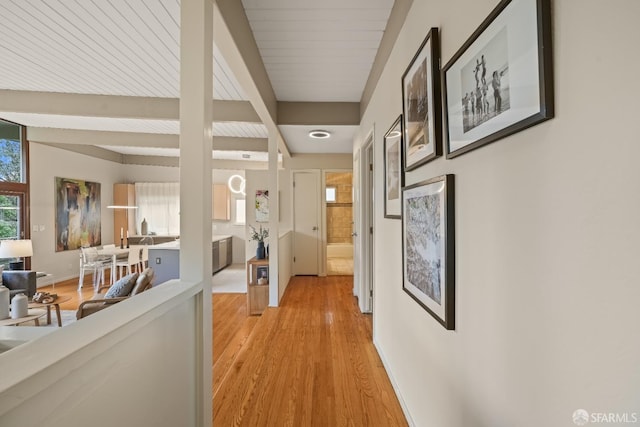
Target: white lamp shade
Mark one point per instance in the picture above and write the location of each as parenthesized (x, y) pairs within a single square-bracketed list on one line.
[(15, 248)]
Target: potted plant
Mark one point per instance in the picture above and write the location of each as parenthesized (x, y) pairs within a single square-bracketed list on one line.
[(259, 236)]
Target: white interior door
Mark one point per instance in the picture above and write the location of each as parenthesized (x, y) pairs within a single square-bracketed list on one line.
[(367, 296), (306, 222)]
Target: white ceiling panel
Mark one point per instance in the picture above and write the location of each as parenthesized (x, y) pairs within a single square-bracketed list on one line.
[(318, 50), (115, 47)]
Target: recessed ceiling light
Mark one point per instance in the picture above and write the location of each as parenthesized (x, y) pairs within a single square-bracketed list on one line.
[(319, 134)]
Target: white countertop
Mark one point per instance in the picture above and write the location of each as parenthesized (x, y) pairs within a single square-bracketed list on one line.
[(175, 245)]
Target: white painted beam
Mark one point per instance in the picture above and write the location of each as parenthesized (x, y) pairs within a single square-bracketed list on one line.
[(235, 40), (131, 139), (127, 107), (319, 113), (196, 145)]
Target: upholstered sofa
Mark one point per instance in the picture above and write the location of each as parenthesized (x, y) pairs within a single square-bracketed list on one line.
[(20, 282), (123, 289)]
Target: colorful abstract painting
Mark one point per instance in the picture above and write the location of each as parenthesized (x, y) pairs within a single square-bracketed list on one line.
[(78, 220)]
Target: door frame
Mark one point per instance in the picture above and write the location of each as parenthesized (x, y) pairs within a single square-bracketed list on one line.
[(363, 281), (319, 241), (323, 208)]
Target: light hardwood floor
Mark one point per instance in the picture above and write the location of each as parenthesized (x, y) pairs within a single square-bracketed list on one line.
[(309, 362)]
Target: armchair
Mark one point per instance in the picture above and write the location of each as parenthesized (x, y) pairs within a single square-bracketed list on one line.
[(20, 281), (129, 286)]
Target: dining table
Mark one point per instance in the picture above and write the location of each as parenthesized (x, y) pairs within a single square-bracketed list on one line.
[(114, 253)]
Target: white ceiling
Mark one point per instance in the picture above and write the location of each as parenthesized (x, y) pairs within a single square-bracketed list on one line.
[(318, 50), (313, 51)]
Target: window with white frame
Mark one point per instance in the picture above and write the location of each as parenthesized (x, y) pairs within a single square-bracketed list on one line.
[(159, 204), (240, 213)]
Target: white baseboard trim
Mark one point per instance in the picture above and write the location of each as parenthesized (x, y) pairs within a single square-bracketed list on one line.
[(405, 410)]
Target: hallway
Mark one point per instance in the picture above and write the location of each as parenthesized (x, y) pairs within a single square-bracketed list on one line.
[(309, 362)]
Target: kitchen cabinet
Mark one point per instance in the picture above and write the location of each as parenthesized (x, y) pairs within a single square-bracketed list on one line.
[(221, 209), (221, 251), (123, 219)]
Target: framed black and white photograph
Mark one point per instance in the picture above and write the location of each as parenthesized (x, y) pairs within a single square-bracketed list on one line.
[(393, 176), (501, 80), (428, 236), (421, 105), (263, 272)]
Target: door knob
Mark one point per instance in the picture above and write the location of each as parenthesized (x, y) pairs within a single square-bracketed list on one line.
[(354, 234), (315, 228)]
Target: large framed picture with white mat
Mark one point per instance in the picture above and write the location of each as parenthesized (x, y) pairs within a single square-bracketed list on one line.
[(501, 80), (428, 239)]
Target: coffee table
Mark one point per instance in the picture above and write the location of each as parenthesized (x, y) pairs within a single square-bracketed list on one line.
[(56, 303), (34, 314)]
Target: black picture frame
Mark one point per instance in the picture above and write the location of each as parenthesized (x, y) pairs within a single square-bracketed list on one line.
[(512, 49), (428, 247), (262, 272), (422, 105), (393, 170)]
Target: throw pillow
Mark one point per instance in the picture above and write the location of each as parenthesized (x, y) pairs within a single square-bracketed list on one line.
[(143, 282), (122, 287)]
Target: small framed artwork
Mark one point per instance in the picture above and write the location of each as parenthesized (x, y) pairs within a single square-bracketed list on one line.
[(501, 80), (262, 205), (421, 104), (262, 274), (393, 176), (428, 247)]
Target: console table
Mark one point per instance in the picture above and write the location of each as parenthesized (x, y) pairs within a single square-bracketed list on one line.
[(257, 294)]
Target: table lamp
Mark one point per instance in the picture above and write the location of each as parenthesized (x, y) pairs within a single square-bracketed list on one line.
[(16, 249)]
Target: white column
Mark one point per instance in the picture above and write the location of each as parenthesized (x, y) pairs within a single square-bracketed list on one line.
[(274, 219), (196, 93)]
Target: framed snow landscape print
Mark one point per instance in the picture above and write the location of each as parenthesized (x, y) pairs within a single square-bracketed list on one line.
[(428, 237)]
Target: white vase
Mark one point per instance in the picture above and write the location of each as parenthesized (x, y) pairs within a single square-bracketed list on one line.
[(19, 306), (4, 302)]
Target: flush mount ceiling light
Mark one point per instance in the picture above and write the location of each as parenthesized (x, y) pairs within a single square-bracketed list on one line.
[(319, 134), (394, 134)]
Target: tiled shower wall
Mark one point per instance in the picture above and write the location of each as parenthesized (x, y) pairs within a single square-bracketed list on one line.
[(340, 214)]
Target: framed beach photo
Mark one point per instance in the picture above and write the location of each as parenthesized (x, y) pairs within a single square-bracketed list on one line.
[(393, 176), (501, 80), (421, 106), (428, 239)]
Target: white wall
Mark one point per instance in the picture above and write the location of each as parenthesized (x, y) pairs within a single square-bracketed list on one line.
[(546, 238), (285, 269), (46, 164), (258, 180)]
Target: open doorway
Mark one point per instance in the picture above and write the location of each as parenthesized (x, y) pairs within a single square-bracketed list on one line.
[(339, 214)]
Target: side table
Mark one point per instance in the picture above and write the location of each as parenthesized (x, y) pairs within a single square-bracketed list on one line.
[(56, 303), (34, 314), (46, 279)]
